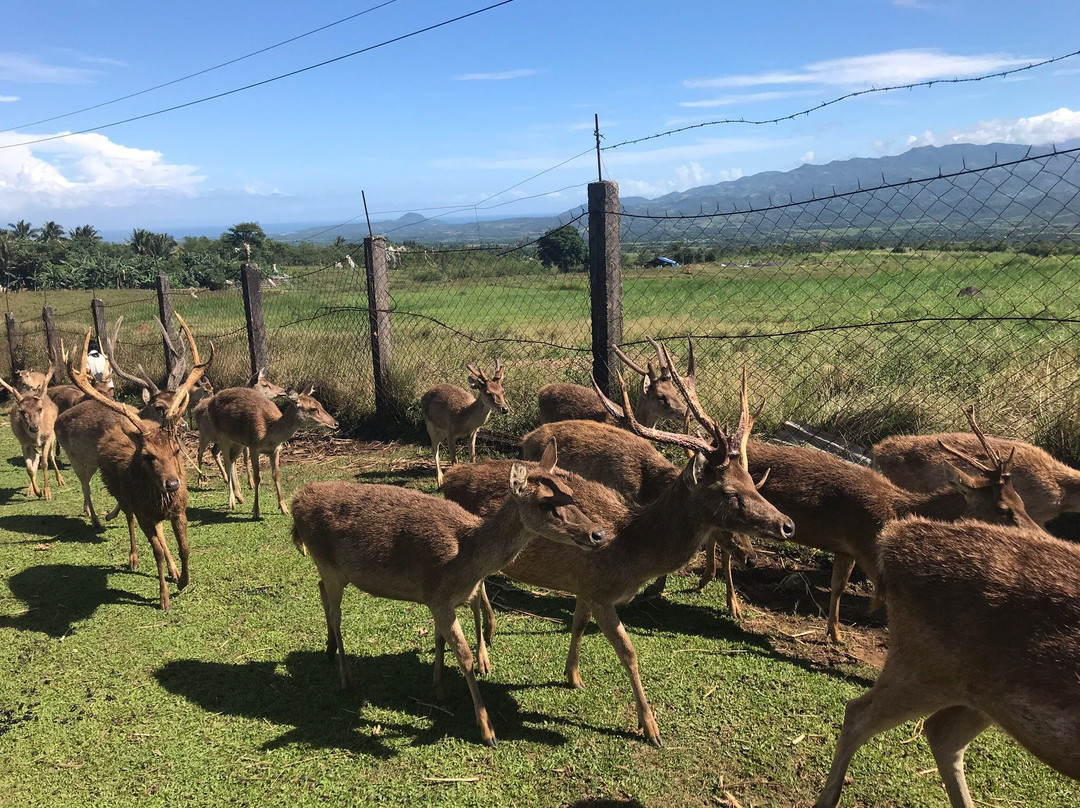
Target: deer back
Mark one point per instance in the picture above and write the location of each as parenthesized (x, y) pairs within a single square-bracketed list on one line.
[(562, 401), (242, 415), (919, 463)]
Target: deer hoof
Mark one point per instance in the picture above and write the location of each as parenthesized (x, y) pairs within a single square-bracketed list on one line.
[(183, 580), (491, 742)]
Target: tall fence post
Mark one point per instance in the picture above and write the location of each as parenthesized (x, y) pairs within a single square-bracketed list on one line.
[(52, 341), (605, 280), (251, 283), (97, 312), (169, 338), (382, 341), (13, 349)]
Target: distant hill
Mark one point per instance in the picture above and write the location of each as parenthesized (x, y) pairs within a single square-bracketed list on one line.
[(972, 205)]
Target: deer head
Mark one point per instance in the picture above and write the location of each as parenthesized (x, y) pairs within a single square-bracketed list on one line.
[(30, 408), (489, 388), (659, 398)]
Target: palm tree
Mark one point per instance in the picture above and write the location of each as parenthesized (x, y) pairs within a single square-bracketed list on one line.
[(155, 245), (23, 230), (86, 235), (50, 231)]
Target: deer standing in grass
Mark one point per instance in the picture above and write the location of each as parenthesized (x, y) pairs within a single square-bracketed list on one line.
[(393, 542), (451, 412), (1048, 487), (142, 466), (714, 492), (984, 628), (658, 399), (241, 417), (33, 422)]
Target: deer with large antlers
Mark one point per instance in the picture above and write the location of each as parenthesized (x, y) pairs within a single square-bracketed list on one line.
[(658, 398), (841, 507), (984, 628), (240, 417), (713, 493), (397, 543), (33, 422), (451, 412), (141, 465), (1048, 487)]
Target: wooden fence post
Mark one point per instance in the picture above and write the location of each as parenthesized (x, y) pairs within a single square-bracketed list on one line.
[(251, 282), (52, 342), (605, 281), (13, 348), (165, 312), (382, 340), (97, 312)]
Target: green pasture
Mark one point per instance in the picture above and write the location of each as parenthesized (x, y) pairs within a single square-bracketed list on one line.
[(228, 698)]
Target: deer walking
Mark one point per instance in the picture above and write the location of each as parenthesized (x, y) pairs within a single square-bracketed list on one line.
[(984, 628), (713, 492), (33, 422), (451, 412), (401, 544)]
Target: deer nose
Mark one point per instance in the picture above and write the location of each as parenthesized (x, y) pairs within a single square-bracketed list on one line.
[(598, 538), (172, 485), (787, 529)]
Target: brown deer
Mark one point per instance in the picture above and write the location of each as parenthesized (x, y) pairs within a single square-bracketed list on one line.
[(714, 492), (1048, 487), (658, 400), (141, 465), (33, 380), (33, 422), (841, 507), (241, 417), (397, 543), (984, 628), (451, 412)]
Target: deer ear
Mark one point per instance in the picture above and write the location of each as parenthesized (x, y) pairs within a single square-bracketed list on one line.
[(550, 456), (145, 396), (519, 479), (694, 469), (959, 481)]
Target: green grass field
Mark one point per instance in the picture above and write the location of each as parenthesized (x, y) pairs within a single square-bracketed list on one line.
[(228, 698)]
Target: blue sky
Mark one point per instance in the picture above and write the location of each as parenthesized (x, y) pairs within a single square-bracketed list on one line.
[(469, 113)]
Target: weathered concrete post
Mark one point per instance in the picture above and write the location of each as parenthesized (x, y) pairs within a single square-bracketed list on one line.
[(379, 330), (251, 283), (605, 281), (169, 339)]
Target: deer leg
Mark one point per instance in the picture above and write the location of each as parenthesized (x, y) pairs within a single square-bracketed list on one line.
[(133, 550), (732, 595), (41, 460), (156, 534), (708, 574), (255, 514), (582, 616), (230, 476), (654, 590), (483, 664), (88, 502), (949, 732), (247, 465), (447, 625), (179, 527), (275, 472), (437, 676), (50, 456), (841, 572), (608, 620), (331, 592), (433, 435), (472, 446), (113, 513), (31, 472), (898, 695), (489, 615)]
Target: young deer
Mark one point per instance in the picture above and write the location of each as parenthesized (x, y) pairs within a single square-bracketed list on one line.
[(984, 627), (659, 398), (141, 465), (1048, 487), (33, 422), (841, 507), (451, 412), (240, 417), (397, 543), (714, 492)]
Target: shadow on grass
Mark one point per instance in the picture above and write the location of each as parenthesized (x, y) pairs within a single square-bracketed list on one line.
[(9, 494), (52, 526), (604, 802), (220, 516), (306, 697), (391, 477), (58, 596)]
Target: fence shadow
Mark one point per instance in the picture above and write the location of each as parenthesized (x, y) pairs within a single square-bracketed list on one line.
[(53, 526), (306, 698), (58, 596)]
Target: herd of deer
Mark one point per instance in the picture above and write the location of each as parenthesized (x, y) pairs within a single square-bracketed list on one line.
[(983, 605)]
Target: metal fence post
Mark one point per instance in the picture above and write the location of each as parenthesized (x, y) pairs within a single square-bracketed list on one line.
[(605, 280), (251, 282), (382, 341), (52, 341), (13, 350), (165, 311)]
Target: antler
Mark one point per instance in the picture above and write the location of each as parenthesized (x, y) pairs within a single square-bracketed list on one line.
[(180, 399), (110, 341), (1001, 467), (83, 383), (475, 371), (12, 390), (179, 362)]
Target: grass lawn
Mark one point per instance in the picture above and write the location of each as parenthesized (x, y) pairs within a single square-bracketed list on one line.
[(229, 699)]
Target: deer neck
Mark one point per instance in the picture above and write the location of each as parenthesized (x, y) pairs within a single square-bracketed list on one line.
[(1070, 491), (944, 504), (662, 535), (476, 414), (284, 427), (493, 544)]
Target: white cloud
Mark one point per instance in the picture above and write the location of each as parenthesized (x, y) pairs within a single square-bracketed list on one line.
[(8, 99), (503, 76), (747, 98), (894, 67), (807, 158), (84, 170), (1053, 127), (19, 67), (684, 177)]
